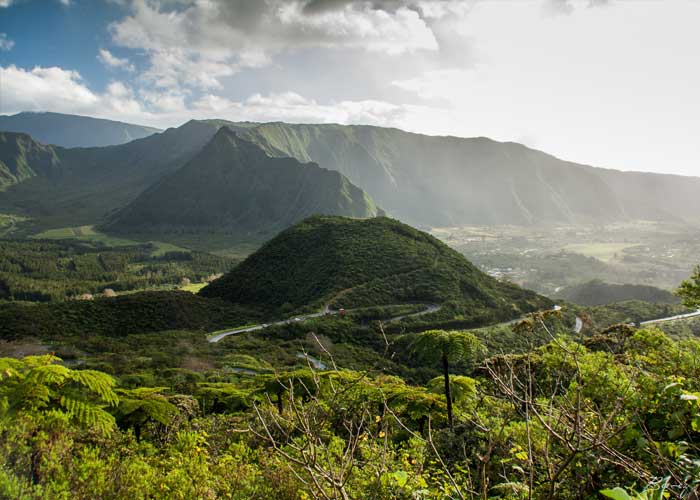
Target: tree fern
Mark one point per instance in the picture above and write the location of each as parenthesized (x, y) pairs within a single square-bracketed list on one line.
[(138, 406), (447, 347), (40, 387)]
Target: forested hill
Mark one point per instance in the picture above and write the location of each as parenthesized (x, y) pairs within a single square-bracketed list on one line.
[(73, 130), (231, 186), (357, 263)]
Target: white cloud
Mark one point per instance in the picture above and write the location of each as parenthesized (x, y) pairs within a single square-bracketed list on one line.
[(111, 61), (566, 7), (5, 3), (60, 90), (6, 43), (56, 89), (359, 26), (44, 88), (294, 108), (198, 43)]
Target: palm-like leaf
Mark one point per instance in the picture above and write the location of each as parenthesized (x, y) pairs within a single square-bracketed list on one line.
[(39, 386)]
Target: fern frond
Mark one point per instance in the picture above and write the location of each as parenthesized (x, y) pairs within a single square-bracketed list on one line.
[(99, 383), (48, 374), (87, 414)]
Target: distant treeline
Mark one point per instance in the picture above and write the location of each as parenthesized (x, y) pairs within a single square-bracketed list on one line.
[(597, 292), (117, 316)]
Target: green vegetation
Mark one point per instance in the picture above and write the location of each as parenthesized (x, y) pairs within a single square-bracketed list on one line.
[(122, 315), (45, 270), (77, 187), (357, 263), (508, 411), (445, 348), (562, 420), (689, 290), (631, 311), (453, 178), (21, 158), (597, 292), (490, 394), (232, 187)]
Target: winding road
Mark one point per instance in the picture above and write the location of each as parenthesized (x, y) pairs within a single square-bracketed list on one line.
[(429, 308), (671, 318)]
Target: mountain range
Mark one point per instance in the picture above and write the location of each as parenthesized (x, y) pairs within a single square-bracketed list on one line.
[(72, 131), (233, 186), (422, 180)]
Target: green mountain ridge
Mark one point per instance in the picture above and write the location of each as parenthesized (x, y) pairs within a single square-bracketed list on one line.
[(21, 158), (89, 183), (423, 180), (478, 180), (71, 131), (232, 186), (355, 263)]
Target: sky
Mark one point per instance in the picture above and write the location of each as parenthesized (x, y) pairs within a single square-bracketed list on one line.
[(611, 83)]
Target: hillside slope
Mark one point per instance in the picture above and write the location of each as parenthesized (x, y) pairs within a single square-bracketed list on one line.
[(423, 180), (355, 263), (22, 158), (478, 180), (89, 183), (71, 131), (231, 186)]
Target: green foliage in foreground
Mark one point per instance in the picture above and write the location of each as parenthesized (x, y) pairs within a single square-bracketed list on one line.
[(439, 346), (559, 421), (689, 290)]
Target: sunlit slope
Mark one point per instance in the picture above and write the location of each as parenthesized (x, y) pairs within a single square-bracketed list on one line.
[(448, 180)]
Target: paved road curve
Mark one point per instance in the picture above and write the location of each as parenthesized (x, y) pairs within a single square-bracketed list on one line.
[(430, 308), (670, 318)]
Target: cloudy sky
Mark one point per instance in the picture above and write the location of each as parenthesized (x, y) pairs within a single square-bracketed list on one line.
[(612, 83)]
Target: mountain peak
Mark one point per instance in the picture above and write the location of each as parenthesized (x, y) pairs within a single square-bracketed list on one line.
[(233, 187)]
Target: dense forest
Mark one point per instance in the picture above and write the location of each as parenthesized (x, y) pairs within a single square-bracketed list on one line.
[(47, 271)]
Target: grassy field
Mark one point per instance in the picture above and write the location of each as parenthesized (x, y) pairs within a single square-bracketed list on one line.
[(193, 287), (602, 251), (88, 233)]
